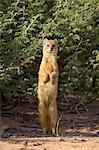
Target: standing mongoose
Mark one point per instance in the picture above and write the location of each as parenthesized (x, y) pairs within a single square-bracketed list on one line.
[(48, 86)]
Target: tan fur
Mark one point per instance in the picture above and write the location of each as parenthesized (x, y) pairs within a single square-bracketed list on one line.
[(47, 86)]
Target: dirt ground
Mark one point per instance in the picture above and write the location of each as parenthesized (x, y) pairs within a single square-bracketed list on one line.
[(77, 128)]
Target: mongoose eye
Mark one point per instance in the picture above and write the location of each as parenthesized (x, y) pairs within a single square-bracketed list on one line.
[(53, 46), (47, 45)]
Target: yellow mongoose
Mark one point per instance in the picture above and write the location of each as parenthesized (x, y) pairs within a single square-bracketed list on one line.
[(47, 86)]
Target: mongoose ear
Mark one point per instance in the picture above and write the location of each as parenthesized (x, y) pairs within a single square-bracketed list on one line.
[(45, 40), (56, 41)]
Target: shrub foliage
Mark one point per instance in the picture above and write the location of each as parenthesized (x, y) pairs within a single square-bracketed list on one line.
[(24, 24)]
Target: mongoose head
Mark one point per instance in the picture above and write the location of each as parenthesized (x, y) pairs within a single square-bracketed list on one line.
[(50, 47)]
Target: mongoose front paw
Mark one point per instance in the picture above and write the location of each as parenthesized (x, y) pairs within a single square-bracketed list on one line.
[(47, 80), (53, 77)]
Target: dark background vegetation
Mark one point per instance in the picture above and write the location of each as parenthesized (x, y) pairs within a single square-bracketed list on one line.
[(24, 24)]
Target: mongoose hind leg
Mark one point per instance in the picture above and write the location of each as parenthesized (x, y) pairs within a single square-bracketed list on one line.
[(53, 116), (43, 116)]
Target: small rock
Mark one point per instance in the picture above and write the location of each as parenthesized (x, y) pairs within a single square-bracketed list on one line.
[(75, 139), (37, 144), (24, 142), (61, 139), (30, 144), (83, 140)]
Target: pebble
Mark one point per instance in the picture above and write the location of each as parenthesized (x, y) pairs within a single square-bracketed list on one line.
[(24, 142)]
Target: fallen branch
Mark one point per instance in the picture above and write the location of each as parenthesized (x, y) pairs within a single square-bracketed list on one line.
[(57, 126)]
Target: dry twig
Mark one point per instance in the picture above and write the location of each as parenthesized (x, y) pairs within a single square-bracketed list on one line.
[(57, 126)]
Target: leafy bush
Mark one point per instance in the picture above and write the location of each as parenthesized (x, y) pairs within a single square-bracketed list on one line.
[(23, 25)]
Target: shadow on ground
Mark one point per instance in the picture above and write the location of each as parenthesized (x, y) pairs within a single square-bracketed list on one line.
[(23, 121)]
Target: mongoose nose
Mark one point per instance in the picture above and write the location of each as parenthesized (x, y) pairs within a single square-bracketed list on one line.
[(51, 48)]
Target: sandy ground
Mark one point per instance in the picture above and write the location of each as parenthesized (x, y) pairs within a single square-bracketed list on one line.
[(78, 129), (51, 143)]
